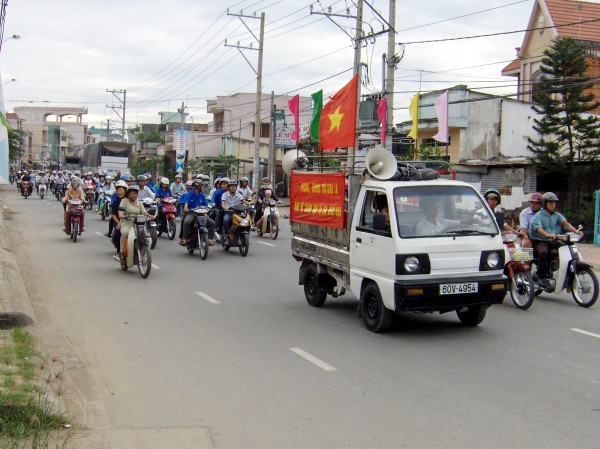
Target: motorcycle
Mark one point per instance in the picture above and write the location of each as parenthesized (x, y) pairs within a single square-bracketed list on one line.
[(137, 248), (518, 271), (166, 221), (104, 209), (90, 195), (152, 208), (59, 190), (42, 190), (569, 272), (198, 239), (239, 235), (11, 178), (26, 189), (76, 213), (270, 220)]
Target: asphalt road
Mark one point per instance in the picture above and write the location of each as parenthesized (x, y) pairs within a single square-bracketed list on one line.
[(227, 353)]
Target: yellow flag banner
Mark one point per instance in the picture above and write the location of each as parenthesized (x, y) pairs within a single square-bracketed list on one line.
[(414, 115)]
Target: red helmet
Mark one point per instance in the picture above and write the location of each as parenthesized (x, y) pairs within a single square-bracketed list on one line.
[(536, 197)]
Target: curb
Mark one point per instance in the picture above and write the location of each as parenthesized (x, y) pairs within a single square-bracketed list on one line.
[(15, 306)]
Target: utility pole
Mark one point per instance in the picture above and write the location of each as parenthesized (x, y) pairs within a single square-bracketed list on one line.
[(258, 71), (122, 107), (389, 80), (271, 172), (357, 47)]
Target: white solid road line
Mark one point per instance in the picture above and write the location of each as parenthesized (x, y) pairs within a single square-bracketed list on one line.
[(312, 359), (265, 243), (208, 298), (585, 332)]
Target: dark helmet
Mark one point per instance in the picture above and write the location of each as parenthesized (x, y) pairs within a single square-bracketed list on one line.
[(548, 196), (493, 193), (142, 178), (196, 183)]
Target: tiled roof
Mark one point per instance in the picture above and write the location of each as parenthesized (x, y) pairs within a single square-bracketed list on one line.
[(515, 65), (570, 11)]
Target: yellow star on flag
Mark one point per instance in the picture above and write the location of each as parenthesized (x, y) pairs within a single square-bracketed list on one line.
[(335, 119)]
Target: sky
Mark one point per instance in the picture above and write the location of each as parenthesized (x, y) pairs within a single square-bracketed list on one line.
[(165, 53)]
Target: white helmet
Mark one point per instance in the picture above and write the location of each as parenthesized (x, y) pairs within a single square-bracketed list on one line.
[(164, 181)]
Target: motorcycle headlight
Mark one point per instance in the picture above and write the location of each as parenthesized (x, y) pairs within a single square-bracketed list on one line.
[(244, 223)]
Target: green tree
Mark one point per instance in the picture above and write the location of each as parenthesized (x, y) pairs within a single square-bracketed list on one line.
[(562, 97), (14, 144)]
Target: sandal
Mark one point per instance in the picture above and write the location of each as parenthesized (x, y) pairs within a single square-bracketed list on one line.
[(183, 242)]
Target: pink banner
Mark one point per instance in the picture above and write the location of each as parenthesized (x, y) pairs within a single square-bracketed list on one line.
[(294, 105), (441, 108), (382, 116)]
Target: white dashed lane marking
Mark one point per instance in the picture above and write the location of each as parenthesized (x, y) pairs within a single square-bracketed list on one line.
[(312, 359), (208, 298), (155, 266), (98, 233), (265, 243), (585, 332)]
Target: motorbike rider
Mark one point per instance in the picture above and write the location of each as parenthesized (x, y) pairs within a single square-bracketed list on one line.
[(87, 180), (41, 179), (543, 229), (268, 196), (26, 178), (163, 191), (526, 215), (150, 182), (74, 192), (190, 201), (114, 227), (145, 191), (177, 188), (216, 185), (493, 198), (216, 199), (229, 200), (260, 197), (129, 208), (107, 189)]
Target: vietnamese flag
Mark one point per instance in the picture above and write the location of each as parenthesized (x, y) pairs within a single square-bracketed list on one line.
[(337, 127)]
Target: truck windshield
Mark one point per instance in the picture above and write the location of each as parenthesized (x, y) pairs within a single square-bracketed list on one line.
[(440, 211)]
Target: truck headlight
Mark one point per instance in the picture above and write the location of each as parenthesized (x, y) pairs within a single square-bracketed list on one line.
[(491, 260), (411, 264)]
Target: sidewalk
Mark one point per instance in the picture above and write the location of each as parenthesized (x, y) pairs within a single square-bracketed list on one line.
[(591, 254), (15, 308)]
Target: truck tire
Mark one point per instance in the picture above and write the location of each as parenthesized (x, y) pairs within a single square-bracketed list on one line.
[(374, 314), (313, 296), (473, 316)]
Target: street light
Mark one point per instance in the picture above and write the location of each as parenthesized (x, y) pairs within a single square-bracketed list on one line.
[(14, 36), (9, 81)]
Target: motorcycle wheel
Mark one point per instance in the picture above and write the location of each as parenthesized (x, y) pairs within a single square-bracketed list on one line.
[(42, 195), (522, 289), (274, 228), (153, 237), (144, 260), (171, 228), (203, 245), (244, 244), (74, 231), (103, 212), (26, 194), (584, 279)]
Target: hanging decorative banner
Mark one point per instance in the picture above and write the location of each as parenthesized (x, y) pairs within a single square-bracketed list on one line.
[(180, 143), (317, 199)]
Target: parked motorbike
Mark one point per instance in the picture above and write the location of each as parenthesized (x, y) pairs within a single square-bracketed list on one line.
[(269, 222), (26, 189), (518, 270), (239, 235), (198, 238), (151, 226), (137, 248), (166, 219), (104, 209), (569, 272), (76, 210), (90, 195), (42, 189)]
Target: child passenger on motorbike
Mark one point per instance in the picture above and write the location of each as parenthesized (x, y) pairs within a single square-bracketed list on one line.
[(129, 208), (74, 192)]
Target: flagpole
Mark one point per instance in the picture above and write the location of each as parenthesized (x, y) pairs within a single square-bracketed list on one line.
[(357, 48)]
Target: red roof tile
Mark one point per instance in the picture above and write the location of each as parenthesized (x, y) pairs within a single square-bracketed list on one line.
[(515, 65), (570, 11)]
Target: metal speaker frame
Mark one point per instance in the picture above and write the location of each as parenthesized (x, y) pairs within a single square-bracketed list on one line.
[(381, 163)]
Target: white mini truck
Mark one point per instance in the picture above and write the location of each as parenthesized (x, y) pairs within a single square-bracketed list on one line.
[(434, 253)]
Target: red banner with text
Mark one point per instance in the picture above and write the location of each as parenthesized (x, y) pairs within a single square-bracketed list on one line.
[(318, 199)]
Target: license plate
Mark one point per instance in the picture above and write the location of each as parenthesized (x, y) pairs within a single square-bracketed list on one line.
[(458, 289)]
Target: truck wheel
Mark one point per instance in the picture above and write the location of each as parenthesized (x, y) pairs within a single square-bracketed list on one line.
[(473, 316), (374, 314), (311, 288)]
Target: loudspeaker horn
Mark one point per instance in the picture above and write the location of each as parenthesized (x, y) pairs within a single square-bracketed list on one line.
[(291, 158), (381, 163)]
